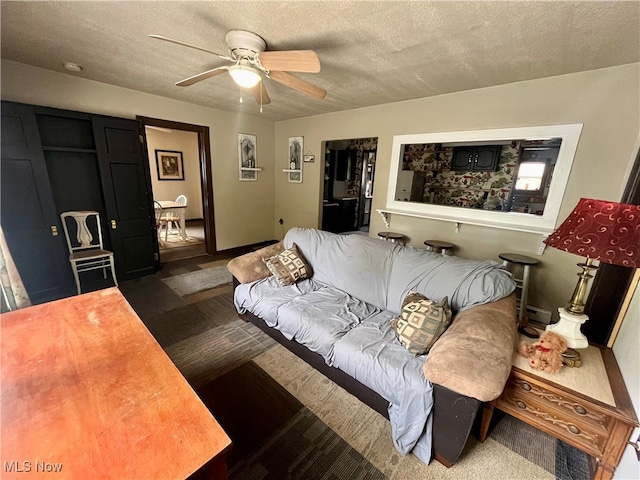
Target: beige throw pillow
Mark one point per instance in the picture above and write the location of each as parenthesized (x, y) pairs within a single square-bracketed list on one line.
[(289, 266), (421, 322)]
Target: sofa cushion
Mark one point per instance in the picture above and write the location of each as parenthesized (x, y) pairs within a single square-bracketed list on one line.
[(320, 318), (353, 263), (421, 322), (473, 357), (371, 354), (288, 266), (466, 282), (250, 266)]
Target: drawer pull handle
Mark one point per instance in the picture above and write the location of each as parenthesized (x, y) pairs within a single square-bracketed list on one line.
[(526, 386), (580, 410), (573, 429), (521, 404)]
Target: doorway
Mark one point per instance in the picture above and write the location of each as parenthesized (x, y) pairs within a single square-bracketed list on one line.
[(187, 149), (349, 170)]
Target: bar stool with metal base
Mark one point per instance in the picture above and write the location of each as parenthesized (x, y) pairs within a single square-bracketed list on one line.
[(438, 246), (522, 284), (392, 237)]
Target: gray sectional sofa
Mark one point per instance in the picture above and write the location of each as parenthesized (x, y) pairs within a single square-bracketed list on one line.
[(339, 321)]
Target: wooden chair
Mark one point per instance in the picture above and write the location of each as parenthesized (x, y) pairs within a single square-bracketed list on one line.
[(160, 222), (86, 251), (173, 220)]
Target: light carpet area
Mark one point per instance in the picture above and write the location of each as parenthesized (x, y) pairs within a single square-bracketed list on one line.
[(198, 281), (176, 241), (370, 434)]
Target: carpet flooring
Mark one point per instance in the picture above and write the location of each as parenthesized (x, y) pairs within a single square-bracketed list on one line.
[(286, 420), (194, 282), (564, 461), (313, 452)]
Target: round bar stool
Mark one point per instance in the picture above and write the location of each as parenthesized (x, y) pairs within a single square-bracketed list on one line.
[(521, 283), (437, 246), (392, 237)]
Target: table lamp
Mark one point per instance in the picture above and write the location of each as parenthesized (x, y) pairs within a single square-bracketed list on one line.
[(598, 230)]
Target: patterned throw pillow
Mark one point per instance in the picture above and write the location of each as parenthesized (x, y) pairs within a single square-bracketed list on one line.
[(289, 266), (421, 322)]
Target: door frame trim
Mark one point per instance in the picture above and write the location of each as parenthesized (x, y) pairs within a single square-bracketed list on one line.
[(206, 173), (612, 282)]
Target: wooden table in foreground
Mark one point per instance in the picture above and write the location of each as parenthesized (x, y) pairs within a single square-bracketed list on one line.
[(587, 407), (88, 393)]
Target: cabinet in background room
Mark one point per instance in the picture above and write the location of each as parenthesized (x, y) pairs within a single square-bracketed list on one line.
[(476, 159)]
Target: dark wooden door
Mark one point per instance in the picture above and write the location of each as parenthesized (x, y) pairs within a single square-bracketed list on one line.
[(29, 218), (126, 190)]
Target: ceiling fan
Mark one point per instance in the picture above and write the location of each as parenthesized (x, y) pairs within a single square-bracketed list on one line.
[(251, 62)]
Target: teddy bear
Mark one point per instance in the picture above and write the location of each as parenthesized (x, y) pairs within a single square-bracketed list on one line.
[(546, 353)]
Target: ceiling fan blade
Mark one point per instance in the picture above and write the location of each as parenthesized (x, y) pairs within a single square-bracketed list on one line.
[(202, 76), (291, 61), (298, 84), (177, 42), (260, 94)]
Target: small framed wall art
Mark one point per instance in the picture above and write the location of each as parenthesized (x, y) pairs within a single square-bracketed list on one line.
[(294, 168), (170, 165), (247, 157)]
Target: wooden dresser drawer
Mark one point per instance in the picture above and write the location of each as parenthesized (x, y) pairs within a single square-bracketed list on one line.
[(587, 407), (560, 414)]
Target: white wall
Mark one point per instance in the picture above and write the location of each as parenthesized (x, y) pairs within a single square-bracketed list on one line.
[(187, 143), (606, 101), (244, 211)]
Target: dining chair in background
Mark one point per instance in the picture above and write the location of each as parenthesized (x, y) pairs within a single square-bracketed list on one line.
[(161, 222), (172, 218), (86, 250)]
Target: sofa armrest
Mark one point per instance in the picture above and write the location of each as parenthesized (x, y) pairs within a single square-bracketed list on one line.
[(473, 357), (250, 266)]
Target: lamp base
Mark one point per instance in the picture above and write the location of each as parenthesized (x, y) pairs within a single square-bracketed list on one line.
[(569, 328)]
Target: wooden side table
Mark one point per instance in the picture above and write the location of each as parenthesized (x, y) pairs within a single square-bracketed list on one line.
[(587, 407)]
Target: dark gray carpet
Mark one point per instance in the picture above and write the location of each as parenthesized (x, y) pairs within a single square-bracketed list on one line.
[(555, 456), (216, 351), (187, 321), (308, 449)]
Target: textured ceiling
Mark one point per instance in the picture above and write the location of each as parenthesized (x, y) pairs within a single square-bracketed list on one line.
[(371, 52)]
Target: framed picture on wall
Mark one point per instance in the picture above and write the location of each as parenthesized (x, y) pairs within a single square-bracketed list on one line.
[(170, 165), (247, 157), (295, 159)]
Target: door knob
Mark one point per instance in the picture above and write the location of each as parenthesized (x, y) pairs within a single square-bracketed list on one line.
[(113, 225), (54, 230)]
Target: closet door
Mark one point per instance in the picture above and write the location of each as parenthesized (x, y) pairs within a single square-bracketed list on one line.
[(126, 190), (29, 218)]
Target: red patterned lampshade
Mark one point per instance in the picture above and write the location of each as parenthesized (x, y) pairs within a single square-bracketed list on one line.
[(601, 230)]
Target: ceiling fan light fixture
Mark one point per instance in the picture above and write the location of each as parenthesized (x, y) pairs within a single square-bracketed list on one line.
[(244, 75)]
